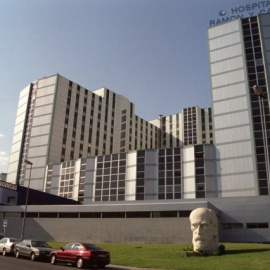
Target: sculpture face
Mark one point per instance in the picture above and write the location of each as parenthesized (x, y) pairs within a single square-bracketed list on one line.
[(205, 230)]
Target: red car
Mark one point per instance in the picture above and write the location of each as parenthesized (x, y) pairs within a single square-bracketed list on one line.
[(81, 254)]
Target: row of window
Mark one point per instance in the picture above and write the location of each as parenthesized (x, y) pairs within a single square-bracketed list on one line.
[(256, 76), (135, 214), (169, 172), (30, 114), (230, 226)]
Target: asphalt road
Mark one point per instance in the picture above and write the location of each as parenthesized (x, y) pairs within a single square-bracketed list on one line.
[(11, 263)]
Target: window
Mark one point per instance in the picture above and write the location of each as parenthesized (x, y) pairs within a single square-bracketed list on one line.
[(164, 214), (11, 200), (113, 215), (48, 215), (257, 225), (138, 214), (228, 226)]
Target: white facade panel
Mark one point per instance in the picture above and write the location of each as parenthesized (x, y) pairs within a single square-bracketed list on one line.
[(40, 140), (12, 158), (224, 41), (236, 182), (20, 119), (151, 171), (189, 188), (237, 165), (36, 131), (44, 101), (76, 179), (189, 169), (225, 53), (266, 31), (265, 19), (267, 44), (41, 92), (232, 134), (151, 157), (227, 65), (17, 137), (234, 150), (233, 105), (21, 110), (43, 110), (16, 147), (37, 151), (47, 81), (42, 120), (23, 98), (188, 154), (39, 162), (229, 91), (223, 29), (228, 78), (209, 151), (231, 120), (268, 57)]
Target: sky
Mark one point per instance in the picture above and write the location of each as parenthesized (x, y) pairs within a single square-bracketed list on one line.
[(153, 52)]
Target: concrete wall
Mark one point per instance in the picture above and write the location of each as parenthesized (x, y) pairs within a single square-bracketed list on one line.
[(101, 225), (112, 230)]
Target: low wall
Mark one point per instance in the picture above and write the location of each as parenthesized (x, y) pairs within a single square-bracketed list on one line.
[(114, 230)]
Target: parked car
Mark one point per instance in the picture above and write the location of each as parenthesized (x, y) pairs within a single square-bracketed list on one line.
[(7, 245), (81, 254), (35, 249)]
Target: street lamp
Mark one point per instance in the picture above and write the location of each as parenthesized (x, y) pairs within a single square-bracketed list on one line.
[(27, 162), (258, 91)]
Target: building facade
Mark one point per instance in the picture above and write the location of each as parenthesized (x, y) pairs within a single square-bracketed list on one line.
[(91, 147), (239, 59), (151, 174), (60, 121)]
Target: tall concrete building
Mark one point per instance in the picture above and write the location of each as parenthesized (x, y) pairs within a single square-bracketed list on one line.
[(239, 55), (58, 120)]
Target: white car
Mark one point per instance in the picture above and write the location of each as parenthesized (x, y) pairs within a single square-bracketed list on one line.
[(7, 245)]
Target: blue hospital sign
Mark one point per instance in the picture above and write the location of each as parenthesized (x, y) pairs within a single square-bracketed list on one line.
[(244, 11)]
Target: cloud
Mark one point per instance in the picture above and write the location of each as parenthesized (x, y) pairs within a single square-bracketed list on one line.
[(2, 135), (3, 158)]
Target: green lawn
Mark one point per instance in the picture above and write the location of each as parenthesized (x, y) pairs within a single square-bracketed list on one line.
[(168, 256)]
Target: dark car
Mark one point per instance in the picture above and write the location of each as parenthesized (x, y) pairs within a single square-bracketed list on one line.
[(7, 245), (35, 249), (81, 254)]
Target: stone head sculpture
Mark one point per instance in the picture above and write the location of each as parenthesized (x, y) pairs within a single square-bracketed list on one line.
[(204, 227)]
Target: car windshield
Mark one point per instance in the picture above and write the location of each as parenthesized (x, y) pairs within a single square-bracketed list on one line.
[(91, 247), (39, 244)]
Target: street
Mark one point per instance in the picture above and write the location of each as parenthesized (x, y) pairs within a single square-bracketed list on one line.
[(11, 263)]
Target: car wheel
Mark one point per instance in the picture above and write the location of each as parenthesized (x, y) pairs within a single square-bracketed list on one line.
[(17, 254), (53, 259), (33, 256), (79, 262), (4, 252)]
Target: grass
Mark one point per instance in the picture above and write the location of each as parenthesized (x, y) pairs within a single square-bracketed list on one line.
[(243, 256)]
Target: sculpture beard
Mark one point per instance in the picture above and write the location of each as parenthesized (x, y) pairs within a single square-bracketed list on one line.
[(204, 244)]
